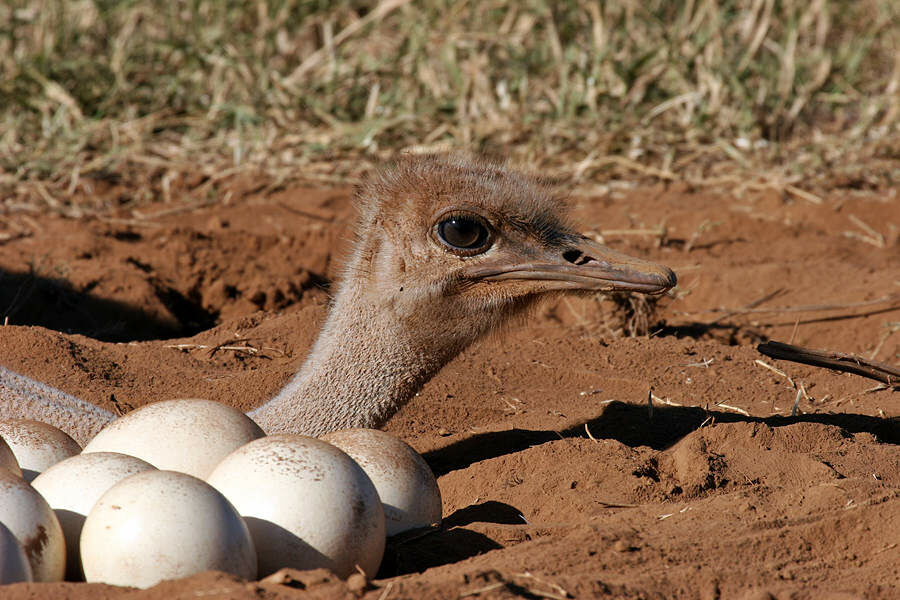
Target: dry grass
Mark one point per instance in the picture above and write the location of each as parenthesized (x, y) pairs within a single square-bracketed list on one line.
[(634, 315), (185, 95)]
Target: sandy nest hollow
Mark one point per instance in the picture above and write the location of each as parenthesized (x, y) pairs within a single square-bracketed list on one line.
[(558, 480)]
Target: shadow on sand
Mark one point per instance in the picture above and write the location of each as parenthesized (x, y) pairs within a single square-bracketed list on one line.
[(416, 551), (629, 424), (30, 299)]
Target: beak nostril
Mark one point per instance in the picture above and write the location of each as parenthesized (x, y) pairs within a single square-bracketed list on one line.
[(577, 257)]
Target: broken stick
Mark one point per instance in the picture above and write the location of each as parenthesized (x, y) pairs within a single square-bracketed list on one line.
[(839, 361)]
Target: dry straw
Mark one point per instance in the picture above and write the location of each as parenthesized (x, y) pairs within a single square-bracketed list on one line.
[(182, 95)]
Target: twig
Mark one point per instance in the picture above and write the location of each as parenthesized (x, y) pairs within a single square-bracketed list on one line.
[(307, 214), (665, 401), (877, 388), (659, 231), (796, 406), (892, 328), (187, 346), (8, 237), (747, 308), (733, 408), (848, 363), (605, 504), (806, 308), (186, 207), (794, 332), (703, 363), (809, 197), (387, 590), (888, 547), (695, 237), (864, 238), (766, 365), (560, 594), (249, 349), (225, 346), (876, 238), (481, 590)]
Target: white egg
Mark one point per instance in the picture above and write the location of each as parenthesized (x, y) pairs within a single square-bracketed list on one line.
[(73, 486), (14, 566), (308, 505), (33, 522), (160, 525), (191, 435), (8, 459), (36, 445), (405, 483)]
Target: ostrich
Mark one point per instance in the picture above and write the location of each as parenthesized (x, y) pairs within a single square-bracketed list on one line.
[(445, 251)]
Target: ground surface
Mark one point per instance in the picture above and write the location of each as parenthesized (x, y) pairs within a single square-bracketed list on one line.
[(557, 479)]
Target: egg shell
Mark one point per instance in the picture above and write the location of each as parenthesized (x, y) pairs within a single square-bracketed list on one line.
[(308, 505), (14, 566), (33, 522), (37, 446), (73, 486), (160, 525), (189, 435), (405, 483), (8, 459)]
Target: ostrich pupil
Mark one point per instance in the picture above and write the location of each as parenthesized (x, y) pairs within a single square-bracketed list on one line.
[(461, 232)]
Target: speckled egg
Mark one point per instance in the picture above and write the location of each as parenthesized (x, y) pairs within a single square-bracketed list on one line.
[(405, 483), (36, 445), (191, 435), (160, 525), (73, 486), (33, 522), (308, 505)]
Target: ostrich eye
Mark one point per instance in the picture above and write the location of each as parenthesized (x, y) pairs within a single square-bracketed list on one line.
[(465, 233)]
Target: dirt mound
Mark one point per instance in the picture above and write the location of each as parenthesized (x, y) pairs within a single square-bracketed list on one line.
[(559, 478)]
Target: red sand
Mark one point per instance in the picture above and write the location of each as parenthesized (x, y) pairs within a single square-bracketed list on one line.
[(557, 480)]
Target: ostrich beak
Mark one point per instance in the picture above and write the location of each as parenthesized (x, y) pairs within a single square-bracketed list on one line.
[(583, 264)]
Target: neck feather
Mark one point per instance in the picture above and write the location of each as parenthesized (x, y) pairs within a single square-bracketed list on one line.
[(366, 364)]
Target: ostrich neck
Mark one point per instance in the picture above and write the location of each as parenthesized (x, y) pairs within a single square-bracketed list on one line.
[(366, 364)]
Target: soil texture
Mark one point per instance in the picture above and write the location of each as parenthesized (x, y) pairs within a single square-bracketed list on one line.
[(559, 477)]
